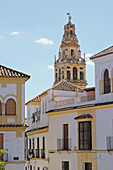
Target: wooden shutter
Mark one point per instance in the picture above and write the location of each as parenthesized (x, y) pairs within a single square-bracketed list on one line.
[(1, 141), (10, 107)]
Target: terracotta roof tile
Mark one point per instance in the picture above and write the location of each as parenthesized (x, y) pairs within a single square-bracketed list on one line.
[(65, 86), (7, 72), (103, 53)]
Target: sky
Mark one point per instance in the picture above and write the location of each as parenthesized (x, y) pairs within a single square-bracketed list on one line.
[(31, 32)]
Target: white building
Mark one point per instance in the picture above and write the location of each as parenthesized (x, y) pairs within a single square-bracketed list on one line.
[(12, 114), (70, 126)]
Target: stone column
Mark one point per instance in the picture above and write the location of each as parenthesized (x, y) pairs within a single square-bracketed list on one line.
[(71, 71), (101, 86)]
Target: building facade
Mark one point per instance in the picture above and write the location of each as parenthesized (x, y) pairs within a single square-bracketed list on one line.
[(71, 126), (12, 114)]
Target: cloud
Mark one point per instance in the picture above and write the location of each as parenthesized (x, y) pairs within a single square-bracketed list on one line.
[(17, 32), (88, 61), (50, 67), (44, 41)]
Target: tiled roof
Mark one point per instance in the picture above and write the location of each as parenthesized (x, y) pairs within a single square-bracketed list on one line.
[(62, 85), (8, 72), (65, 86), (103, 53)]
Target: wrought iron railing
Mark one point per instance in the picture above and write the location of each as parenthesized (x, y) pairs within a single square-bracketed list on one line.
[(64, 144), (109, 140), (43, 153)]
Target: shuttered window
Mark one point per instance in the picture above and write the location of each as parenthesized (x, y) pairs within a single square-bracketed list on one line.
[(10, 107)]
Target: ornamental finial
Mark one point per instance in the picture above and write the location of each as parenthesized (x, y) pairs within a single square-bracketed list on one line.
[(69, 16)]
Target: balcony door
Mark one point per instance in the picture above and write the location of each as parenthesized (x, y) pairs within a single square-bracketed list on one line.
[(1, 141), (65, 136), (1, 144), (65, 165)]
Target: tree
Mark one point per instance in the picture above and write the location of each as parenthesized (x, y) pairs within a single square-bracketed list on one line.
[(1, 156)]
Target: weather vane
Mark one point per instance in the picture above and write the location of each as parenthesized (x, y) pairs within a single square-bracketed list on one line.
[(69, 16)]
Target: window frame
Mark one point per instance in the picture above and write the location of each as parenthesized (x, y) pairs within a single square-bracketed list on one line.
[(88, 132)]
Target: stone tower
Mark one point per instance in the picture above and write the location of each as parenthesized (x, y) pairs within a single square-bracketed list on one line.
[(70, 66)]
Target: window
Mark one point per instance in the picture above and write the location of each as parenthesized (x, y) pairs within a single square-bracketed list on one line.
[(10, 107), (74, 73), (56, 76), (72, 52), (29, 143), (25, 168), (106, 82), (30, 167), (71, 32), (81, 76), (62, 74), (88, 166), (68, 75), (59, 74), (38, 168), (0, 108), (65, 165), (33, 143), (85, 141)]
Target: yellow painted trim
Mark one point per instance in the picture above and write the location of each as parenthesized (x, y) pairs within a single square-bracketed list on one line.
[(3, 85), (37, 131), (9, 95), (15, 162), (40, 159), (33, 103), (84, 120), (79, 110), (12, 80), (81, 151), (42, 95)]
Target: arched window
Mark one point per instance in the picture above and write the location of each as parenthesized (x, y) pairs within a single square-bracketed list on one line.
[(10, 107), (62, 74), (68, 75), (74, 73), (71, 32), (106, 82), (81, 75), (56, 76), (0, 108), (72, 52), (59, 74)]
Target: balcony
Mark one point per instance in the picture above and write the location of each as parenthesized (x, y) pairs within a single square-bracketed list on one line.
[(36, 153), (109, 140), (86, 98), (66, 102), (63, 144), (30, 154)]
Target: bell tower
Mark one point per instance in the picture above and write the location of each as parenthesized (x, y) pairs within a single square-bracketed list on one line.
[(70, 66)]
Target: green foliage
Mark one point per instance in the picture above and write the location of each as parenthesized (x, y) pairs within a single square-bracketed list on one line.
[(1, 154)]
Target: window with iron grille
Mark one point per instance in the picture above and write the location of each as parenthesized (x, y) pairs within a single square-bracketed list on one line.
[(85, 135), (106, 82), (88, 166)]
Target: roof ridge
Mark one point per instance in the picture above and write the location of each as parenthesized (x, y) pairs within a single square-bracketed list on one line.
[(94, 56), (9, 72)]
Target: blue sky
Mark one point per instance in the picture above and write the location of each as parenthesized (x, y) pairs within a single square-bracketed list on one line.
[(23, 23)]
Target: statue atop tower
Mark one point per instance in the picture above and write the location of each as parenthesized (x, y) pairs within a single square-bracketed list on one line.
[(70, 66)]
